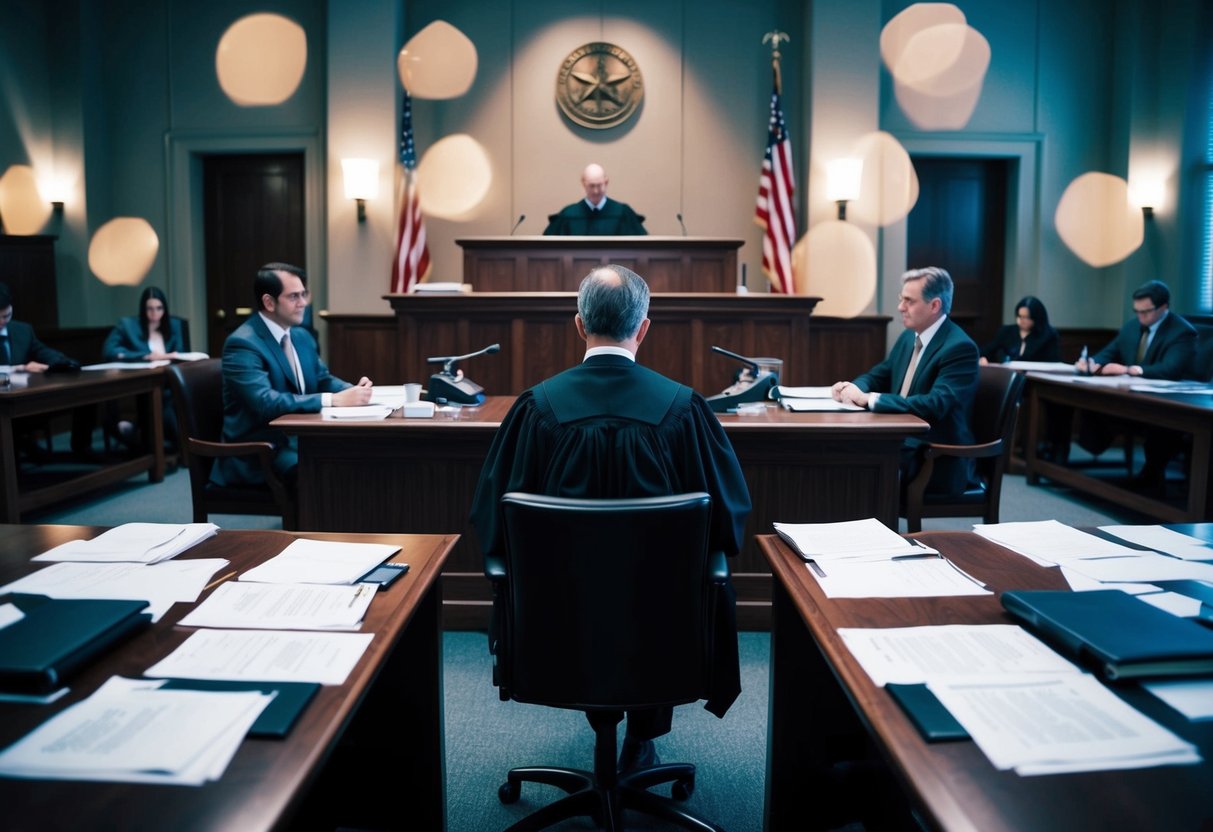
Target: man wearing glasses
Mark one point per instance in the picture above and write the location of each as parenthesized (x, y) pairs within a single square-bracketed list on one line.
[(271, 366), (1154, 343)]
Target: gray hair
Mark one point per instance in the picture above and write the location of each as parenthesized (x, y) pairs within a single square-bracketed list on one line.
[(937, 284), (613, 309)]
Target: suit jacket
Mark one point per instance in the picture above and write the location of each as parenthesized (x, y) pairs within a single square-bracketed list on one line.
[(615, 218), (259, 386), (1038, 346), (941, 394), (1170, 354), (25, 346), (126, 342)]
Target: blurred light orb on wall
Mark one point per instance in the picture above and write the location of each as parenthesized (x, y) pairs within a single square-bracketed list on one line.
[(260, 59), (438, 62), (837, 262), (897, 34), (123, 250), (888, 186), (23, 208), (453, 176), (1097, 221)]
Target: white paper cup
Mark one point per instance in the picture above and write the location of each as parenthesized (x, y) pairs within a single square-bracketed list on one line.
[(412, 392)]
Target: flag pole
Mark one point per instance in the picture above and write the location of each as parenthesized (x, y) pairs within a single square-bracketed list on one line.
[(776, 37)]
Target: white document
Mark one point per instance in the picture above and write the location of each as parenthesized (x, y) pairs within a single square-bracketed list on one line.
[(320, 562), (907, 578), (363, 413), (1121, 381), (1147, 567), (1191, 697), (265, 656), (160, 584), (1167, 541), (127, 365), (817, 405), (1048, 542), (805, 392), (133, 543), (912, 655), (9, 614), (191, 356), (1174, 603), (1058, 724), (858, 540), (1165, 386), (283, 607), (1084, 583), (1059, 367), (127, 732), (388, 395)]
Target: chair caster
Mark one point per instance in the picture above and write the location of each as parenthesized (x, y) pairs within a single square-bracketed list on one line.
[(509, 792), (683, 789)]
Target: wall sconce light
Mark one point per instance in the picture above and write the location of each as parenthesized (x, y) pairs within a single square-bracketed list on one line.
[(1147, 193), (843, 178), (361, 182)]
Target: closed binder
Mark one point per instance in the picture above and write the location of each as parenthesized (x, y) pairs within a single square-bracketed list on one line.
[(1115, 633), (58, 635)]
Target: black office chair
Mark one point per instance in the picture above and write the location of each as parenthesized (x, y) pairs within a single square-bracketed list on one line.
[(198, 392), (995, 408), (606, 606)]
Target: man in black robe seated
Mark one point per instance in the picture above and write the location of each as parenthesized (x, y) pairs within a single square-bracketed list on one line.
[(596, 215), (612, 428)]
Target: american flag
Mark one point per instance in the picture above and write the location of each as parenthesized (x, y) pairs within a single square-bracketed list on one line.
[(412, 263), (776, 210)]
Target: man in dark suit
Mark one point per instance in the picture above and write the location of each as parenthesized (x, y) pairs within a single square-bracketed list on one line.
[(1154, 343), (19, 346), (612, 428), (270, 367), (596, 215), (931, 372)]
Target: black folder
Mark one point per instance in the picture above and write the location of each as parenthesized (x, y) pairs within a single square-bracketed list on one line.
[(934, 722), (1119, 635), (58, 635)]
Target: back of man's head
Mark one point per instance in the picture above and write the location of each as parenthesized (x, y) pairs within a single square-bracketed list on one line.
[(267, 281), (613, 302), (6, 297), (1155, 290), (936, 283)]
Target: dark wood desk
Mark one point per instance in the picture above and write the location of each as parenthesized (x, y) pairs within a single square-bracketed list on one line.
[(368, 753), (557, 264), (1182, 413), (419, 475), (47, 394), (952, 785)]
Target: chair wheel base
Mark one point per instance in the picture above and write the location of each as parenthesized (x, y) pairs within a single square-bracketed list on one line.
[(509, 792), (681, 790)]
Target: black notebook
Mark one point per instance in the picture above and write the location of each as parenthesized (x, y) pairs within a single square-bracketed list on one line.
[(1119, 635), (58, 635)]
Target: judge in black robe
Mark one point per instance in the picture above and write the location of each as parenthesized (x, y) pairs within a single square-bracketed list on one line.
[(596, 215), (610, 428)]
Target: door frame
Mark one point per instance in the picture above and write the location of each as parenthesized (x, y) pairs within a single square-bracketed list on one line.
[(1023, 232), (186, 255)]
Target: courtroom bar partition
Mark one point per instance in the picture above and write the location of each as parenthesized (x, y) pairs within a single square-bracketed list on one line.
[(557, 264)]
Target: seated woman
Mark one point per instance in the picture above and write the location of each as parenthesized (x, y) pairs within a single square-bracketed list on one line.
[(1030, 338), (152, 335)]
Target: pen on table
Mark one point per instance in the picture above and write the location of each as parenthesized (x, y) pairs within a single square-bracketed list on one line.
[(1086, 362), (218, 581)]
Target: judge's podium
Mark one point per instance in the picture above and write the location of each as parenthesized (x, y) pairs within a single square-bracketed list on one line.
[(557, 264)]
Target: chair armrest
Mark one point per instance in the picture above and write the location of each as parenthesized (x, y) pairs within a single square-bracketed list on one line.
[(494, 568), (718, 568), (986, 449), (218, 449)]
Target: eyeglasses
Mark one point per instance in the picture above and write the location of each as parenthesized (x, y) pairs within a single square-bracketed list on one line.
[(295, 297), (1145, 311)]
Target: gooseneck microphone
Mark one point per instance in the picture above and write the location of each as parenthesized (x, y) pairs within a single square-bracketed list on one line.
[(680, 222), (521, 217), (749, 362), (448, 362)]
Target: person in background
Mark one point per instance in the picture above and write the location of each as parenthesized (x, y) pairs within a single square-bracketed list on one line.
[(1154, 343), (1030, 338), (596, 215), (152, 335)]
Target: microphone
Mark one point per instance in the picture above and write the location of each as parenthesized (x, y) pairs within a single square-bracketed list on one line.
[(680, 222), (749, 362), (521, 217), (448, 362)]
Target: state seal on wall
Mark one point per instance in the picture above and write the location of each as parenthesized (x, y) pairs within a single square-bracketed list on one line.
[(599, 85)]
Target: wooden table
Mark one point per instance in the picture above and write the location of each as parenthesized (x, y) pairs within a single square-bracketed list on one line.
[(1182, 413), (45, 394), (818, 692), (368, 753), (419, 475)]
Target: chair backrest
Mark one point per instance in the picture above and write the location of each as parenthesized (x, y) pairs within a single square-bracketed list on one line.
[(609, 602), (995, 407), (198, 400)]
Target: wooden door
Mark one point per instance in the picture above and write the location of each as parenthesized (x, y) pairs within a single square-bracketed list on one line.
[(254, 214), (960, 223)]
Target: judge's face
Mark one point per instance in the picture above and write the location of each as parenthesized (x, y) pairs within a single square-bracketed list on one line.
[(287, 309), (916, 313), (594, 181)]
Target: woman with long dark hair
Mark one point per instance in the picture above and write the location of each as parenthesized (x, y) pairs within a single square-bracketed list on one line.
[(1030, 338)]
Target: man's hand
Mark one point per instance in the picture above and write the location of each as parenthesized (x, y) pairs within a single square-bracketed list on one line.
[(836, 390), (359, 394), (1088, 366), (848, 393), (32, 367), (1112, 370)]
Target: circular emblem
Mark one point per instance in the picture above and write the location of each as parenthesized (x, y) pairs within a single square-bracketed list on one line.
[(599, 85)]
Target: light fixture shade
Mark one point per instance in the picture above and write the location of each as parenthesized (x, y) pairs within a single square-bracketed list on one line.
[(836, 262), (843, 179), (437, 62), (23, 208), (123, 250), (888, 186), (453, 177), (361, 178), (1095, 219), (260, 59)]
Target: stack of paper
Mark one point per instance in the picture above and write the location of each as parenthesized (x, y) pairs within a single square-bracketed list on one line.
[(320, 562), (364, 413), (1050, 543), (264, 656), (283, 607), (133, 543), (851, 540), (806, 399), (130, 732)]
